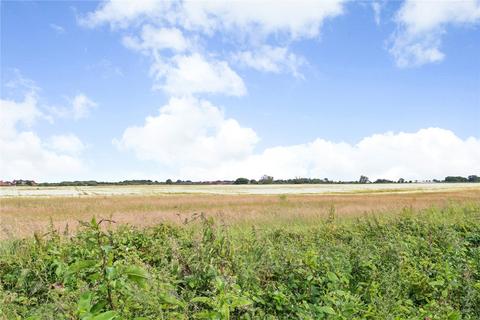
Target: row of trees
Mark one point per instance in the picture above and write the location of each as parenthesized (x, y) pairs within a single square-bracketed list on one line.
[(266, 179), (363, 179), (471, 178)]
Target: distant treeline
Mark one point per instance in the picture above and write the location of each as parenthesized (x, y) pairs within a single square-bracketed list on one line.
[(263, 180), (363, 179)]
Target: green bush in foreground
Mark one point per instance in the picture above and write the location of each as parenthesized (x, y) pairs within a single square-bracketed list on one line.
[(411, 266)]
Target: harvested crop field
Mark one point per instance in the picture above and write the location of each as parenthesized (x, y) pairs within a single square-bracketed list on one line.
[(152, 190), (21, 216)]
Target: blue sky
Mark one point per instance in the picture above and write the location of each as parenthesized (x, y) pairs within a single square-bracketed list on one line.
[(190, 90)]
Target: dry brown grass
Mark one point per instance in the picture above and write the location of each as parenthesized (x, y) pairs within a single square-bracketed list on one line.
[(21, 217)]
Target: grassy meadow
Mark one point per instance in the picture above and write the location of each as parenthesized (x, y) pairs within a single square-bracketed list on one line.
[(183, 256)]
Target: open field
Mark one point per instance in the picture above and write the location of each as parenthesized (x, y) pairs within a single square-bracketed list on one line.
[(355, 254), (230, 189), (21, 216)]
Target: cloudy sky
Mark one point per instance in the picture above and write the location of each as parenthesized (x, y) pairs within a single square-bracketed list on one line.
[(216, 90)]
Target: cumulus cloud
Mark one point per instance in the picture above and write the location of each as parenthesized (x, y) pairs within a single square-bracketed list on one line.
[(300, 19), (120, 13), (23, 153), (187, 132), (183, 74), (78, 107), (271, 59), (162, 27), (15, 113), (81, 106), (425, 154), (192, 74), (421, 25), (156, 39), (67, 143)]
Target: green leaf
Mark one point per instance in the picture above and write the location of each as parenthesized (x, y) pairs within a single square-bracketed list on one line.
[(241, 302), (437, 283), (85, 303), (81, 265), (137, 275), (208, 315), (327, 310), (97, 307), (455, 315), (201, 300), (332, 276), (169, 299), (108, 315)]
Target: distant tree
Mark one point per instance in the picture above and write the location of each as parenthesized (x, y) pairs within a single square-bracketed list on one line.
[(383, 181), (401, 180), (253, 181), (266, 179), (473, 178), (363, 179), (169, 181), (241, 181), (455, 179)]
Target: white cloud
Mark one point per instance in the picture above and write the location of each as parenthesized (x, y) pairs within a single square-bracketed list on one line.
[(377, 11), (193, 74), (421, 25), (14, 113), (21, 84), (22, 153), (296, 19), (68, 143), (155, 39), (81, 106), (165, 23), (179, 142), (120, 13), (271, 59), (188, 132), (428, 153), (58, 29)]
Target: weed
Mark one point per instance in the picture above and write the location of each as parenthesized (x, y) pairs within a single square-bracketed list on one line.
[(416, 265)]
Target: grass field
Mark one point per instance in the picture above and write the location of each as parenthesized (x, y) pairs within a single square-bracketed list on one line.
[(21, 216), (142, 190), (353, 255)]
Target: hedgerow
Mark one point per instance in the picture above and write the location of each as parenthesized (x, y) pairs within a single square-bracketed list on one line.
[(415, 265)]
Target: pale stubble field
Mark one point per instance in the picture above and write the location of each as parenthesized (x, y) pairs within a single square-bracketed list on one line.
[(24, 211)]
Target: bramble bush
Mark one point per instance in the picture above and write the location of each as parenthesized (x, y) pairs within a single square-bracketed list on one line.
[(414, 265)]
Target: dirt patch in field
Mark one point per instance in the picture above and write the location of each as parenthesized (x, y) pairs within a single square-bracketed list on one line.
[(20, 217)]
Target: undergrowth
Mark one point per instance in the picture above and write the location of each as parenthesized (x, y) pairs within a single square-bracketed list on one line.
[(416, 265)]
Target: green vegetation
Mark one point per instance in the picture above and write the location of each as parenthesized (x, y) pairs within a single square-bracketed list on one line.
[(241, 181), (472, 178), (410, 266), (266, 179)]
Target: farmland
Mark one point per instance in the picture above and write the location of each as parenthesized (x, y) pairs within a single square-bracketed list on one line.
[(140, 190), (355, 254), (34, 209)]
